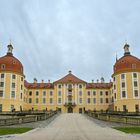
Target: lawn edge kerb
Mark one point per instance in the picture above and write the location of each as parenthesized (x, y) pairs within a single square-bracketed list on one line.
[(10, 131), (129, 130)]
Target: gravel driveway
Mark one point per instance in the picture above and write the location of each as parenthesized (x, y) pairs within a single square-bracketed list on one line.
[(74, 127)]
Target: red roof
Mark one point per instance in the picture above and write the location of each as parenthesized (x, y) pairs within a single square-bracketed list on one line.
[(70, 78), (127, 63), (99, 85), (39, 85), (11, 64)]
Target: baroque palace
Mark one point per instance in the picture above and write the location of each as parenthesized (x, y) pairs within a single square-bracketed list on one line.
[(70, 93)]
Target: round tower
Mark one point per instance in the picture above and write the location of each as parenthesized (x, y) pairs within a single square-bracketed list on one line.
[(11, 82), (126, 81)]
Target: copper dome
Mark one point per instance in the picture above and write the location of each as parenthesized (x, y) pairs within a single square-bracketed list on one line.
[(10, 63), (127, 62)]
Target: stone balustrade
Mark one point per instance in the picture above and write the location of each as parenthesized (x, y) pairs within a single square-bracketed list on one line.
[(133, 120), (26, 119)]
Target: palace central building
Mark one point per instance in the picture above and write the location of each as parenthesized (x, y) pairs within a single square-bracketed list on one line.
[(70, 93)]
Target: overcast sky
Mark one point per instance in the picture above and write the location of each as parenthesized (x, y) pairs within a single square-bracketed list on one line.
[(51, 37)]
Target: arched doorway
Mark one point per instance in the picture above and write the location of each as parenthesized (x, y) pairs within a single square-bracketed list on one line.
[(70, 110)]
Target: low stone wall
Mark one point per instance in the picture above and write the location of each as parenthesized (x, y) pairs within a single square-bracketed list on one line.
[(115, 118), (26, 119)]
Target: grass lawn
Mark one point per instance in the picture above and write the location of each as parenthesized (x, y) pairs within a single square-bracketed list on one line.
[(6, 131), (132, 130)]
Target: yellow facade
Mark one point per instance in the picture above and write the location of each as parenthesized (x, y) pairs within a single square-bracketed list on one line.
[(70, 94), (130, 101), (12, 85)]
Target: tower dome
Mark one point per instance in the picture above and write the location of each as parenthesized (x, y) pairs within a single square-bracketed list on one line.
[(127, 63), (9, 63)]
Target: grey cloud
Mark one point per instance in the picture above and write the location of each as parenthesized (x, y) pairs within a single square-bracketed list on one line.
[(52, 36)]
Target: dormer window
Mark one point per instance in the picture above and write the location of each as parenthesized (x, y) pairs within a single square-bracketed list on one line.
[(3, 66), (14, 62), (133, 66)]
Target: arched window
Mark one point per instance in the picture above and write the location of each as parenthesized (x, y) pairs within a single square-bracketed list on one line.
[(70, 86), (80, 86)]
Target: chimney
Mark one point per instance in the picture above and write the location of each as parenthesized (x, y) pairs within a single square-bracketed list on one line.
[(42, 81), (49, 81), (35, 80), (102, 80), (70, 71)]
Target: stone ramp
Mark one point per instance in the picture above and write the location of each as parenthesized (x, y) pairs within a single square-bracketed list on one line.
[(74, 127)]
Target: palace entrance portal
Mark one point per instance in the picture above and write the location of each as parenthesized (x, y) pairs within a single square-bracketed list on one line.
[(70, 110)]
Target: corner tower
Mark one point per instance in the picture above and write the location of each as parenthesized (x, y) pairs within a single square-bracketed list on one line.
[(11, 82), (126, 81)]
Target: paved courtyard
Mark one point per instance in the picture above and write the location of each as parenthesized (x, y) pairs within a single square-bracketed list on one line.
[(74, 127)]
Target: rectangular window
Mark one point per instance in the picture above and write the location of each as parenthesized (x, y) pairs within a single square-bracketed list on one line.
[(123, 84), (134, 75), (21, 96), (59, 101), (59, 93), (88, 93), (30, 93), (21, 78), (94, 100), (88, 100), (21, 87), (13, 94), (107, 101), (135, 84), (44, 100), (122, 76), (1, 93), (80, 100), (101, 93), (123, 94), (115, 95), (13, 76), (136, 93), (13, 85), (80, 93), (114, 86), (94, 93), (51, 93), (1, 84), (2, 75), (51, 100), (37, 93), (0, 107), (44, 93), (106, 93), (36, 100), (101, 100), (30, 100)]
